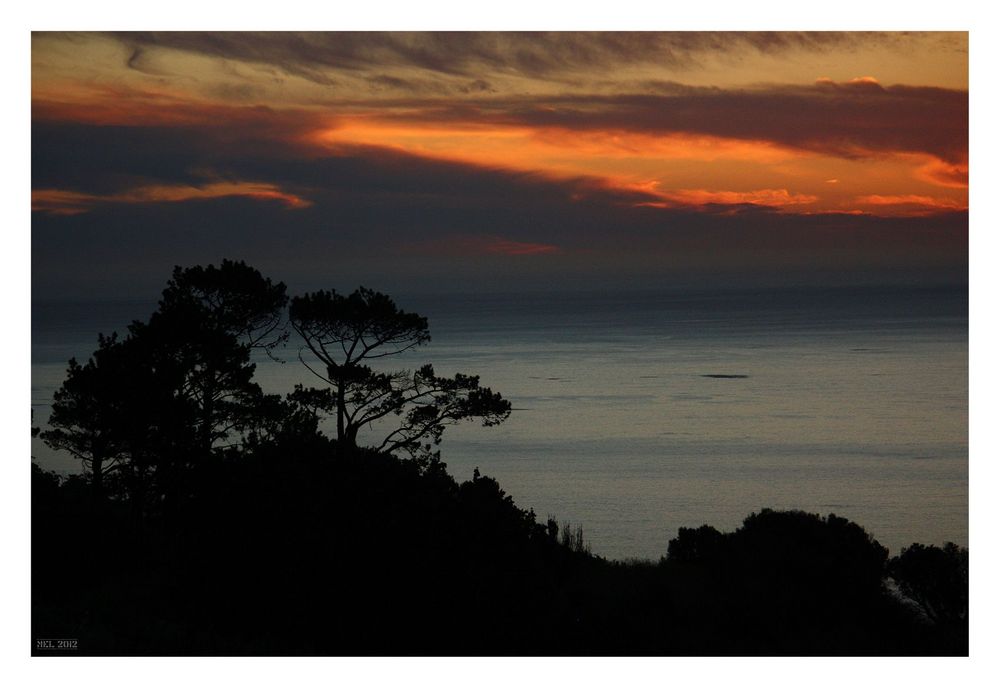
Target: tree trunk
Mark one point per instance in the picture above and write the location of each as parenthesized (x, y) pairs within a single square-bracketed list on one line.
[(341, 407), (351, 436)]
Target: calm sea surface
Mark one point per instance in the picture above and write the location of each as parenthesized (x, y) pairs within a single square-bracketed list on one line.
[(854, 401)]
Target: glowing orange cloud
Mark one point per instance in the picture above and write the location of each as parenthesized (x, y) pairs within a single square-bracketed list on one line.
[(63, 202), (909, 205), (911, 199), (941, 173), (614, 159), (670, 168), (768, 197), (659, 166), (542, 147)]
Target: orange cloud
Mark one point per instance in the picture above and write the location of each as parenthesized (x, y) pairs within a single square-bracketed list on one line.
[(521, 146), (628, 159), (611, 159), (769, 197), (649, 164), (912, 204), (63, 202), (910, 199), (941, 173)]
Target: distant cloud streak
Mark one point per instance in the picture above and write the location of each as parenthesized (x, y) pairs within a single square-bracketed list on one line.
[(775, 198), (849, 120), (64, 202), (314, 56)]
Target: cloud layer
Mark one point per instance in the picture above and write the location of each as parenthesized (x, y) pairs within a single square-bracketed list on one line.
[(497, 157)]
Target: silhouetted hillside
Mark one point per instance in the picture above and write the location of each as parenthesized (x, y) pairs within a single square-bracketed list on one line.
[(299, 550)]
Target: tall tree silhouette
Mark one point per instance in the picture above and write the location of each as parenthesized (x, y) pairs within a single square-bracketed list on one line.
[(233, 298), (211, 319), (87, 411), (346, 333), (119, 415), (177, 388)]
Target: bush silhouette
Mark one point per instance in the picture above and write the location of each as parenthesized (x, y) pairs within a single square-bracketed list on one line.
[(702, 544), (790, 582), (936, 578)]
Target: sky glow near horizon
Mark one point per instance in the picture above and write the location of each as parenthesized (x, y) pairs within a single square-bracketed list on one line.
[(507, 154)]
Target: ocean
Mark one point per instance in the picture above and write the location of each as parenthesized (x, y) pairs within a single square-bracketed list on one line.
[(636, 413)]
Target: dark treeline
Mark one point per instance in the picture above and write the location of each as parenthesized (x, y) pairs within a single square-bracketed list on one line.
[(211, 518)]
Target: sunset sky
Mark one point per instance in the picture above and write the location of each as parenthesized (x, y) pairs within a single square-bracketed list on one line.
[(498, 160)]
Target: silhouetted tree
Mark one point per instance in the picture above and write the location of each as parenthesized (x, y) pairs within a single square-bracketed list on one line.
[(233, 298), (936, 578), (152, 405), (86, 411), (112, 411), (272, 419), (211, 318), (696, 544), (345, 334)]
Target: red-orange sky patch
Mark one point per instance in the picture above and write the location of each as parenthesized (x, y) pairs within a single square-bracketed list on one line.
[(910, 204), (941, 173), (487, 245), (776, 198), (659, 165)]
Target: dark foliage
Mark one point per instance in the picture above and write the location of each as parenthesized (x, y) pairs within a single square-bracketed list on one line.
[(148, 412), (937, 579), (703, 544), (789, 582), (297, 549), (214, 519)]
